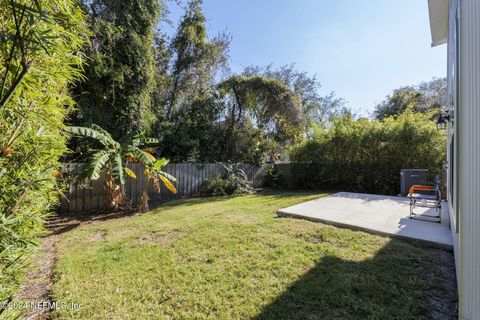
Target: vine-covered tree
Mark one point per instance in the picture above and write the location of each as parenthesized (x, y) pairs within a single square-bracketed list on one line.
[(120, 76), (316, 108), (269, 104)]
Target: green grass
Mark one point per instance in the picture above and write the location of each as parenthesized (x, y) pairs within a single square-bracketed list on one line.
[(232, 258)]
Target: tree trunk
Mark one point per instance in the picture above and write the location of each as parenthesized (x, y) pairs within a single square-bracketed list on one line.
[(113, 193), (143, 204)]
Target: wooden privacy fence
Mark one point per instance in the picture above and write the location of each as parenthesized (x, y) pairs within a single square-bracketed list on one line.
[(89, 196)]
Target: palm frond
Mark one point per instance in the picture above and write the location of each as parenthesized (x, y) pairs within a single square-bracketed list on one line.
[(130, 173), (150, 156), (143, 142), (142, 156), (168, 176), (129, 138), (159, 164), (101, 130), (93, 168), (168, 184), (105, 140), (117, 170)]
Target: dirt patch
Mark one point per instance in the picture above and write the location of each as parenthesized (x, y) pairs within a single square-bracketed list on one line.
[(39, 278), (157, 238), (99, 235), (443, 298)]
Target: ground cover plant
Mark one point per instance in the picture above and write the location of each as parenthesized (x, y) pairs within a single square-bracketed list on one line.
[(232, 258), (233, 181)]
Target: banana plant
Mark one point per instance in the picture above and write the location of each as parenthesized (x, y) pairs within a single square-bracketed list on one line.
[(156, 177), (112, 158)]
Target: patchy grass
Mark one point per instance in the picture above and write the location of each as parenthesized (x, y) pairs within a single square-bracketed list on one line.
[(232, 258)]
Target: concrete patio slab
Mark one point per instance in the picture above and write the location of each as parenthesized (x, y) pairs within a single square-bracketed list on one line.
[(383, 215)]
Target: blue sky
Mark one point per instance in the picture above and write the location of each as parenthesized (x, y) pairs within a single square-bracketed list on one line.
[(362, 50)]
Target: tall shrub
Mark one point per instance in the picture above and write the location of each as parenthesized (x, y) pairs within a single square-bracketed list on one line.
[(38, 59), (364, 155)]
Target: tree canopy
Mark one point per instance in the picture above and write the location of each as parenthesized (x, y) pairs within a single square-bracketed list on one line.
[(178, 88), (196, 59), (423, 97), (271, 105), (316, 108)]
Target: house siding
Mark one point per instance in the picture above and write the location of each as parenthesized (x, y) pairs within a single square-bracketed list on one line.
[(452, 104), (468, 125)]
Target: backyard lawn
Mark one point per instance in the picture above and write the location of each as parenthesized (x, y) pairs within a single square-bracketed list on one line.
[(232, 258)]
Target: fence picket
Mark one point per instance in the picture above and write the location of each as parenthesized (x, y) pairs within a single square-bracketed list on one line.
[(89, 196)]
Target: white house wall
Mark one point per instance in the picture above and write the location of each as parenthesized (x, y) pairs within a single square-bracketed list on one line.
[(468, 125)]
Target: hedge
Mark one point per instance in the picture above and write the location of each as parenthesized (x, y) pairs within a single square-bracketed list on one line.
[(367, 155)]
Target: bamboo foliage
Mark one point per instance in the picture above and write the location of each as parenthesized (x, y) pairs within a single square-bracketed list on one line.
[(367, 155), (39, 58)]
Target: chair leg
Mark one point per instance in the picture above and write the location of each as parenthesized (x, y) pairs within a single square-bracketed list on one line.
[(411, 206), (437, 205)]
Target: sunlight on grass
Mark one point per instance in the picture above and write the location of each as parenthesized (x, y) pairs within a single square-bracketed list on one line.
[(232, 258)]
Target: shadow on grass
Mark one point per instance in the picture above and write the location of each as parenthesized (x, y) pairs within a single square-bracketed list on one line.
[(267, 193), (402, 281), (62, 223)]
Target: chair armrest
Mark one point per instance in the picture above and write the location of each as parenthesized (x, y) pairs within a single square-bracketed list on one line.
[(417, 187)]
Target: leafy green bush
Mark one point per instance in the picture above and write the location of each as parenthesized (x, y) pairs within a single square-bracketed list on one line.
[(234, 181), (367, 156), (214, 186), (38, 60), (242, 144), (273, 177)]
